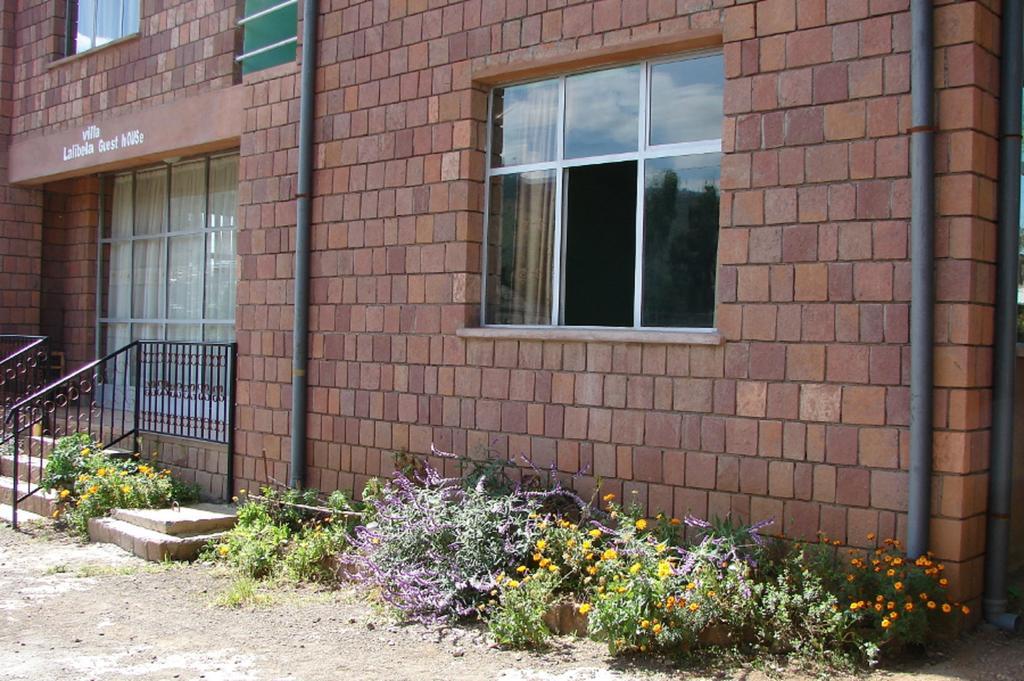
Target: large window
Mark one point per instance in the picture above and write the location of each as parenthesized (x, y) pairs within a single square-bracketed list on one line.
[(270, 34), (92, 23), (168, 253), (602, 206)]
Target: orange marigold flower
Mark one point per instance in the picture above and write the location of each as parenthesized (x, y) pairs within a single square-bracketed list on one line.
[(931, 605), (965, 610), (947, 608), (886, 624)]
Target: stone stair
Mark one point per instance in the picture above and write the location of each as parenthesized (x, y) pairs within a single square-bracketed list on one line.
[(164, 534)]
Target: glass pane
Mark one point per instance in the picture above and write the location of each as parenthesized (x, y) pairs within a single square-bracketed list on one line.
[(686, 100), (680, 240), (600, 244), (108, 21), (188, 197), (601, 112), (151, 202), (147, 331), (184, 332), (121, 209), (267, 30), (520, 249), (86, 25), (148, 279), (219, 333), (223, 191), (130, 20), (117, 336), (525, 124), (119, 267), (185, 278), (220, 275)]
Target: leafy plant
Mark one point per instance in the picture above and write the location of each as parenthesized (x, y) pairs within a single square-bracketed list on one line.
[(68, 460), (517, 617), (435, 547)]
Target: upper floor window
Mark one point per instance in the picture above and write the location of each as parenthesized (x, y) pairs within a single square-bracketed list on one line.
[(270, 34), (92, 23), (603, 194)]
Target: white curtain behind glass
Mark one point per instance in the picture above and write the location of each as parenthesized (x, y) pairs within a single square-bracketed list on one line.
[(119, 301), (220, 262), (185, 274), (148, 266)]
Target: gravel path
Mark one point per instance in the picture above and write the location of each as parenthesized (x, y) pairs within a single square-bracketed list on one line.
[(73, 611)]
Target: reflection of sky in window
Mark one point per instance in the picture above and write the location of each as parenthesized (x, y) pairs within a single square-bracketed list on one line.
[(525, 123), (693, 172), (601, 112), (686, 100)]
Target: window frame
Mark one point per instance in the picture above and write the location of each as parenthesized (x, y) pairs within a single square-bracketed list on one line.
[(71, 16), (106, 239), (645, 151)]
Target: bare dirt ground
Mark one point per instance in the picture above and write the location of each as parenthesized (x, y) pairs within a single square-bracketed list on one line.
[(73, 611)]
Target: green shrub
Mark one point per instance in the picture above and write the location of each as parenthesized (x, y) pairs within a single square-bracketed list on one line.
[(68, 460), (516, 619), (276, 536)]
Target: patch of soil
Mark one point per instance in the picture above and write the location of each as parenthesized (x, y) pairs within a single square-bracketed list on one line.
[(89, 611)]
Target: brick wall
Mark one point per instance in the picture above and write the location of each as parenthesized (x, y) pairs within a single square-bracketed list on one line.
[(182, 48), (20, 214), (801, 414)]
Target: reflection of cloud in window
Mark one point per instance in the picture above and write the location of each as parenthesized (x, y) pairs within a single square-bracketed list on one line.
[(601, 112), (686, 101), (527, 123)]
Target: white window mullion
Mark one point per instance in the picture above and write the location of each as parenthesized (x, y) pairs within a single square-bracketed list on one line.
[(485, 249), (638, 255), (557, 266)]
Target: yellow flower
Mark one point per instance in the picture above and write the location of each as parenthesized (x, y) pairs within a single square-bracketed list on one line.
[(693, 607), (656, 629), (943, 582), (545, 562), (586, 545), (886, 624), (512, 584), (101, 472), (675, 521), (931, 605), (664, 569), (541, 544), (609, 554), (86, 451), (898, 586), (552, 568), (595, 533), (584, 608), (64, 494), (634, 568), (871, 536), (691, 586), (126, 489), (965, 610), (521, 568), (908, 607), (660, 548), (56, 514), (608, 497), (641, 524), (94, 489), (645, 624), (223, 550), (592, 570), (946, 608)]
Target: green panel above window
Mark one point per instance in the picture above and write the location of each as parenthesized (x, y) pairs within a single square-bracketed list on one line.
[(268, 23)]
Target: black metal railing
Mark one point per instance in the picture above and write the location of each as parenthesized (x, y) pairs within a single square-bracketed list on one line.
[(24, 363), (182, 389)]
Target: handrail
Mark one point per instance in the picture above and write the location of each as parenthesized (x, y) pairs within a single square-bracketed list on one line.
[(7, 338), (63, 379), (22, 371), (178, 388)]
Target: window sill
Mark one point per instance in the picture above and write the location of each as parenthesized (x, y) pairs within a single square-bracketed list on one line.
[(95, 50), (589, 335)]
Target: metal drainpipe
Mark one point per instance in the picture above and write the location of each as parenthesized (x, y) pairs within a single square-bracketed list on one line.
[(1000, 477), (303, 199), (922, 265)]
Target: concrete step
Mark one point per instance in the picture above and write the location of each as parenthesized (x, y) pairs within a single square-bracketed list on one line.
[(23, 515), (147, 543), (34, 467), (41, 503), (182, 521)]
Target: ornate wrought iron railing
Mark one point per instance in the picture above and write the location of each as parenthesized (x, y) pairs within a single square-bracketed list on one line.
[(182, 389), (24, 362)]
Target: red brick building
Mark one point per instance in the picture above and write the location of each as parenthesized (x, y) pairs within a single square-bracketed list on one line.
[(756, 364)]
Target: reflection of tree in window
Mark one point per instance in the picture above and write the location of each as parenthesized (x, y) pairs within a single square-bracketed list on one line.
[(680, 246)]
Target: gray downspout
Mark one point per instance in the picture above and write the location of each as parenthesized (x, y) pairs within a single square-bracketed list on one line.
[(1000, 476), (922, 265), (303, 201)]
